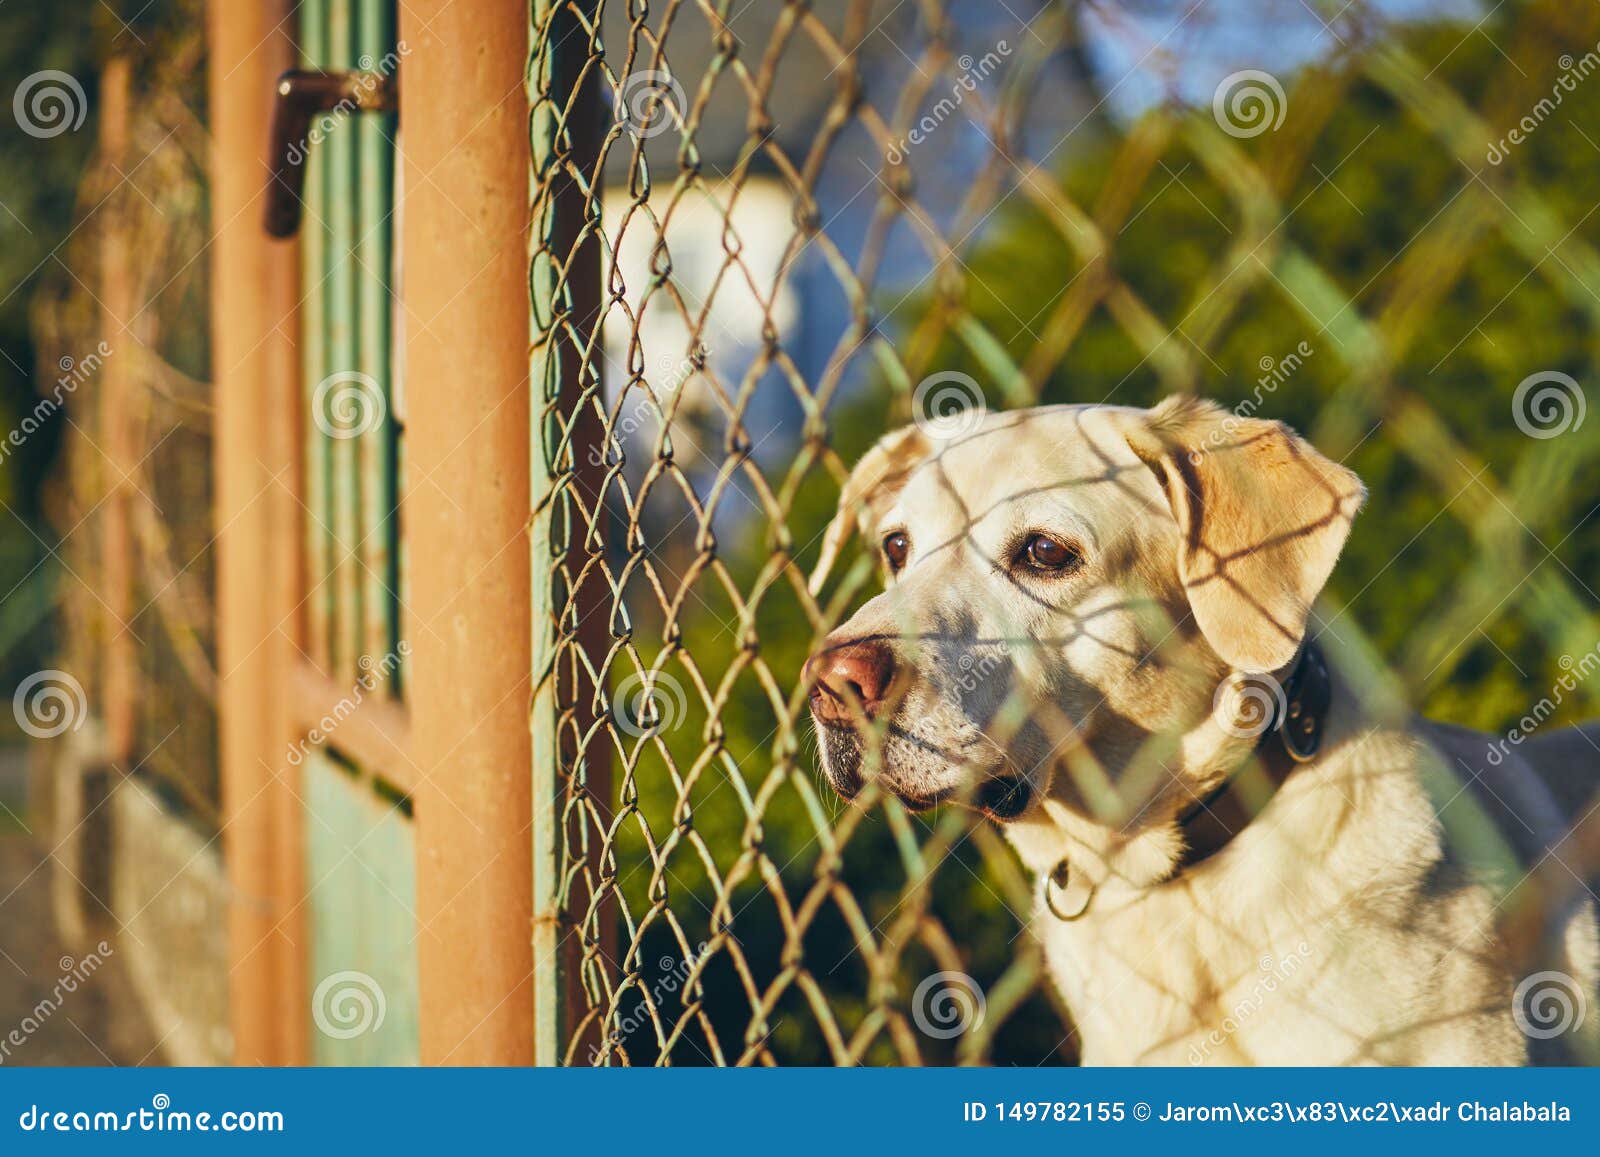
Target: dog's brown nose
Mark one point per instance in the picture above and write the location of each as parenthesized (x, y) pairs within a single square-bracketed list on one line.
[(863, 669)]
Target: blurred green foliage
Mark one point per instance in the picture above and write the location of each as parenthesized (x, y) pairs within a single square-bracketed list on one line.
[(43, 214), (37, 183)]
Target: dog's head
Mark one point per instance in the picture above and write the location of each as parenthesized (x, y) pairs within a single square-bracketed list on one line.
[(1065, 589)]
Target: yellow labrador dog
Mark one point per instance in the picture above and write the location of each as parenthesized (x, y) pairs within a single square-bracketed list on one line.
[(1097, 628)]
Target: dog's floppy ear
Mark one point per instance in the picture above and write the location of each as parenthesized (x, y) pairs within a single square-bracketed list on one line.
[(1263, 517), (880, 475)]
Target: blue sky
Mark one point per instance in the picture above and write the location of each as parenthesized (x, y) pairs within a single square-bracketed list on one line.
[(1147, 50)]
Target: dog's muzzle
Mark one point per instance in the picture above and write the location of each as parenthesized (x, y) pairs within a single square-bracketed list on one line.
[(842, 759), (1001, 798)]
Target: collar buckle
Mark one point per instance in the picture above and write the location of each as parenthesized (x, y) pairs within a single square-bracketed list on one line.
[(1067, 893), (1307, 695)]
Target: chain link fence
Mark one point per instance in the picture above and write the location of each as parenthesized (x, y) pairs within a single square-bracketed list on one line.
[(767, 233)]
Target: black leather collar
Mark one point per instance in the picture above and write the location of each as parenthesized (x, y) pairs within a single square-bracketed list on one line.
[(1292, 737)]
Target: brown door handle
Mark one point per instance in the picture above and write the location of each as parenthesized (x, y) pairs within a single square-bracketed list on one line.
[(301, 96)]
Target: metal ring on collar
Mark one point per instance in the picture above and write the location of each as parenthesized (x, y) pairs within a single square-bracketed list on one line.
[(1064, 894)]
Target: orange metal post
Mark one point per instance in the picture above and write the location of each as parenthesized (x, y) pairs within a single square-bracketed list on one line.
[(465, 287), (255, 371)]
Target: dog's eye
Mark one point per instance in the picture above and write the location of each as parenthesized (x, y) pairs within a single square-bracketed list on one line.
[(895, 548), (1041, 552)]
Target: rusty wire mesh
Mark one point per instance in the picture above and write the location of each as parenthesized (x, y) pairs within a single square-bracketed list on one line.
[(758, 227)]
